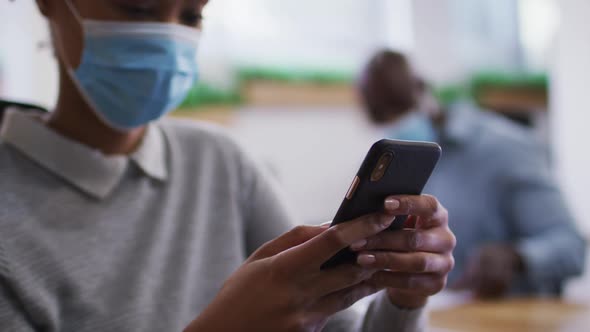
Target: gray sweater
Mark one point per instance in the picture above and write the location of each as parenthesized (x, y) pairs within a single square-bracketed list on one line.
[(139, 243)]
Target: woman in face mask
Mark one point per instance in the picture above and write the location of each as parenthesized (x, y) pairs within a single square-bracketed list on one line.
[(113, 221)]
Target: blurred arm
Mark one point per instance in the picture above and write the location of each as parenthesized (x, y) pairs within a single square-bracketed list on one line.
[(547, 240)]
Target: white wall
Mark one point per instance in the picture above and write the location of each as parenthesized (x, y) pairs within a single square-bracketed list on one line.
[(327, 34), (314, 152), (392, 21), (28, 71), (571, 106), (538, 26), (454, 37), (570, 119), (433, 54)]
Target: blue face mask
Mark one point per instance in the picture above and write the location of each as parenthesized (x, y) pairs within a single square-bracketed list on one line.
[(416, 126), (133, 73)]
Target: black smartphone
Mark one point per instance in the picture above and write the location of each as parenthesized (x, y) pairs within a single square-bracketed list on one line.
[(390, 168)]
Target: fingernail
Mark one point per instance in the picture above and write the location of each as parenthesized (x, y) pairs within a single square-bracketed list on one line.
[(358, 245), (365, 259), (391, 204)]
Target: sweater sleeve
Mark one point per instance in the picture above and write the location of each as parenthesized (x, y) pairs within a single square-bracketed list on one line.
[(266, 213), (381, 316)]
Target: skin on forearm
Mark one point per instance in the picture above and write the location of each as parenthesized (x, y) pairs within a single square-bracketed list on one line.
[(208, 322)]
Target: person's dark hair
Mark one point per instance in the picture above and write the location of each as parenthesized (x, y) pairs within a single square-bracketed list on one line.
[(389, 87)]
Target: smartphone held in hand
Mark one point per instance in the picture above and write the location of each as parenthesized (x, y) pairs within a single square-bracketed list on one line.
[(390, 168)]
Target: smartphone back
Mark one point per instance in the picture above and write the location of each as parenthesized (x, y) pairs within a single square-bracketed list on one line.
[(406, 173)]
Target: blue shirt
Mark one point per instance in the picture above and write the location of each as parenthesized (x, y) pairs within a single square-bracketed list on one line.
[(495, 180)]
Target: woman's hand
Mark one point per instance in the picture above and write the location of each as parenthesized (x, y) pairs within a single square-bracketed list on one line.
[(414, 262), (282, 288)]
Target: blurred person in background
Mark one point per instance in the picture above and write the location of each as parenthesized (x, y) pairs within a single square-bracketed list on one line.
[(515, 233), (114, 220)]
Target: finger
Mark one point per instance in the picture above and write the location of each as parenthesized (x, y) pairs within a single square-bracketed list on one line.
[(434, 240), (339, 278), (343, 299), (415, 262), (318, 250), (425, 206), (292, 238), (422, 284)]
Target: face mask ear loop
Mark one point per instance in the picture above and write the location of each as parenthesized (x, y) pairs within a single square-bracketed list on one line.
[(72, 72), (74, 12), (59, 47)]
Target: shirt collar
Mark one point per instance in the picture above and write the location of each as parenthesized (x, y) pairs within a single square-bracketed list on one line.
[(87, 169), (151, 156), (460, 125)]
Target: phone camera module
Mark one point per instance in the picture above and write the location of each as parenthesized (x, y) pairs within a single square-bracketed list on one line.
[(381, 167)]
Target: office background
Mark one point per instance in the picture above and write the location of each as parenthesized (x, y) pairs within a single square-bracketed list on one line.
[(285, 70)]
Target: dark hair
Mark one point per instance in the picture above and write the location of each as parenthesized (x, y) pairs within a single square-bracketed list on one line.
[(388, 57), (391, 86)]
